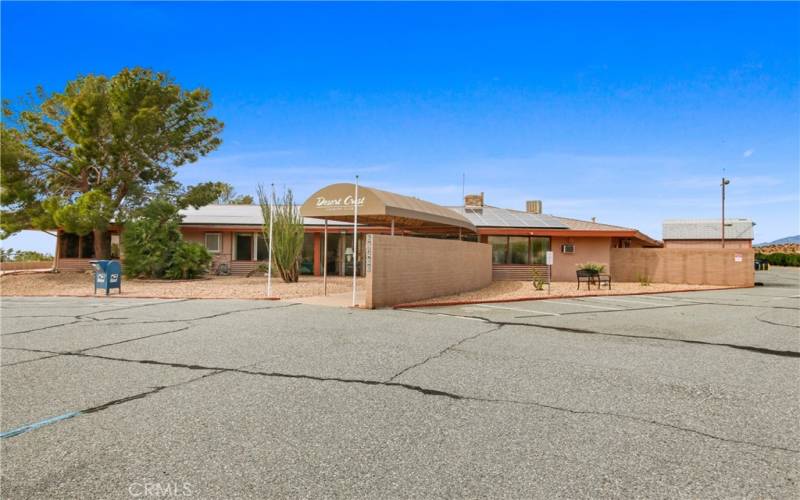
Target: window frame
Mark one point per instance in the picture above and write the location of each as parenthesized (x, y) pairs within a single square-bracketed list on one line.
[(219, 242)]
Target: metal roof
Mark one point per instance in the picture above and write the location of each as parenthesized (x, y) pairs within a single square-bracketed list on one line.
[(707, 229), (488, 216), (235, 215)]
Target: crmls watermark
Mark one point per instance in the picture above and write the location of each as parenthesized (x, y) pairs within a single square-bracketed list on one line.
[(160, 490)]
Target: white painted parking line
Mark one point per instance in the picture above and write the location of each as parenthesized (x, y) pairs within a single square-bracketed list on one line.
[(518, 309), (615, 299), (569, 302)]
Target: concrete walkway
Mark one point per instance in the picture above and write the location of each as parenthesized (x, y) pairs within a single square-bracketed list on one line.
[(333, 300)]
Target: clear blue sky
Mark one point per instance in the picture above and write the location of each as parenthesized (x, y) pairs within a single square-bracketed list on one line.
[(627, 112)]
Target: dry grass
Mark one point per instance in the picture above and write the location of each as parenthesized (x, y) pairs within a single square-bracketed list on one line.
[(216, 287), (516, 290)]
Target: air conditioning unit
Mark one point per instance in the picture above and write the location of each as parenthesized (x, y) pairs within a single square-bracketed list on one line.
[(568, 248)]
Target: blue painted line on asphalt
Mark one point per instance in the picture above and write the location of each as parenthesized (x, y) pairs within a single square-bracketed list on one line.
[(36, 425)]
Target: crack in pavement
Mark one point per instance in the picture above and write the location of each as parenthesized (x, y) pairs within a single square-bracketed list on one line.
[(215, 370), (759, 350), (138, 338), (83, 317), (759, 318), (79, 318), (443, 351)]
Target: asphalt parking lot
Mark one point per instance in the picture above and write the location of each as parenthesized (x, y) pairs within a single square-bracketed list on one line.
[(673, 395)]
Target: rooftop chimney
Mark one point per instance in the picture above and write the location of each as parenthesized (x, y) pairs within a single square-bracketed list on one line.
[(533, 206), (473, 200)]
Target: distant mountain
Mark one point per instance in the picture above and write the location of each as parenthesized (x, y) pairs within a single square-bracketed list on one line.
[(783, 241)]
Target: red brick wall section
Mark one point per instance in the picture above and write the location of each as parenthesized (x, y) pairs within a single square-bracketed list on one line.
[(694, 266), (404, 269)]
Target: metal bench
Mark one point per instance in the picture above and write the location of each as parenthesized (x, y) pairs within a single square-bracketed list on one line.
[(590, 276)]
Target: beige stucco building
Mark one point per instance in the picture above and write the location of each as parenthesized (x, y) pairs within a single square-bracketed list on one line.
[(707, 233)]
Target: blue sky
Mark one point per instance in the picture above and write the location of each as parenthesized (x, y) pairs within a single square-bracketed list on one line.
[(625, 112)]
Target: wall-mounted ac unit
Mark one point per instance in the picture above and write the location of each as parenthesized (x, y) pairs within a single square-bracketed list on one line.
[(568, 248)]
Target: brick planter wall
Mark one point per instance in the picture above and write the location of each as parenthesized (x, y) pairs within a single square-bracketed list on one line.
[(405, 269), (693, 266)]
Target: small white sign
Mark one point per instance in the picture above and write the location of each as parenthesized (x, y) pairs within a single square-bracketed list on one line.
[(737, 257), (549, 258)]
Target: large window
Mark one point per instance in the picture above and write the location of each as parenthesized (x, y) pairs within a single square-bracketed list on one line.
[(70, 246), (307, 255), (499, 249), (262, 252), (519, 249), (214, 242), (244, 246)]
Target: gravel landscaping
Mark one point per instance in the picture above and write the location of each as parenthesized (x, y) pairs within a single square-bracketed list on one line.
[(216, 287), (518, 290)]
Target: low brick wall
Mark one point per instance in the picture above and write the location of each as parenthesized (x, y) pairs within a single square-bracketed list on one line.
[(693, 266), (405, 269), (31, 264)]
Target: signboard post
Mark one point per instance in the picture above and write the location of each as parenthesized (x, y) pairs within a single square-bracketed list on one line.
[(549, 262)]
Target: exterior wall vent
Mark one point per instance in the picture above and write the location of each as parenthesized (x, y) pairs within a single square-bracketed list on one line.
[(533, 206)]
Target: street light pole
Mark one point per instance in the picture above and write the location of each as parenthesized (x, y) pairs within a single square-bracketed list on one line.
[(724, 183)]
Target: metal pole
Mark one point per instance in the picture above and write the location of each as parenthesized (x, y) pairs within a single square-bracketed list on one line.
[(724, 183), (392, 226), (325, 262), (355, 242), (269, 264)]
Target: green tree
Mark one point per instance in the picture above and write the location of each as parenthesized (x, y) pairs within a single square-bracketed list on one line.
[(287, 232), (228, 196), (87, 156), (155, 248)]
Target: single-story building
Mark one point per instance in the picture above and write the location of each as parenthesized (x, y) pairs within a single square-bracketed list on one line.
[(707, 233), (519, 238)]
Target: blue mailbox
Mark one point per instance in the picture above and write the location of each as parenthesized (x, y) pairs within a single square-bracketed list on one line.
[(107, 275)]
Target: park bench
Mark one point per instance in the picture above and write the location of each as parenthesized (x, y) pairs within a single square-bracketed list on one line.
[(590, 276)]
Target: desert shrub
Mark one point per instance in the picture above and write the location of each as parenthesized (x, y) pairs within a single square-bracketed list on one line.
[(287, 232), (592, 266), (539, 281), (780, 259), (154, 247)]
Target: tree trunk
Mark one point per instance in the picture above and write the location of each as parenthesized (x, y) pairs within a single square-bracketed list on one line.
[(102, 244)]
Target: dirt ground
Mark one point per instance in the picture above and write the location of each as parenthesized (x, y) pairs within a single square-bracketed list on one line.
[(227, 287), (515, 290)]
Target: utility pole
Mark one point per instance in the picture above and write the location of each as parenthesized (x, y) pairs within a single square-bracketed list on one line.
[(724, 183)]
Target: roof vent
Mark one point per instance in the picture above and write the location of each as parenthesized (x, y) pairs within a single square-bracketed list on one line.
[(473, 200), (594, 219), (533, 206)]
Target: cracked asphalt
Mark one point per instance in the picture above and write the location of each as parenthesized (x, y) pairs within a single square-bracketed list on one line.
[(671, 395)]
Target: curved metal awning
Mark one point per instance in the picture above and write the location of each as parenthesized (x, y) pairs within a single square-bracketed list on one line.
[(376, 207)]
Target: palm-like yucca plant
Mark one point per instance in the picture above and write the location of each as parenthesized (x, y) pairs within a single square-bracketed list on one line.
[(287, 232)]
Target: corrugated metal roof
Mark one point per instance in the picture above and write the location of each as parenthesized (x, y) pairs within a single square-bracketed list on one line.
[(707, 229), (488, 216), (236, 215)]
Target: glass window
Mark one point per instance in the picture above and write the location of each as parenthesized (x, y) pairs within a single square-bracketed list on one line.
[(539, 248), (87, 246), (244, 246), (518, 249), (262, 252), (213, 242), (70, 245), (499, 249), (307, 255)]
